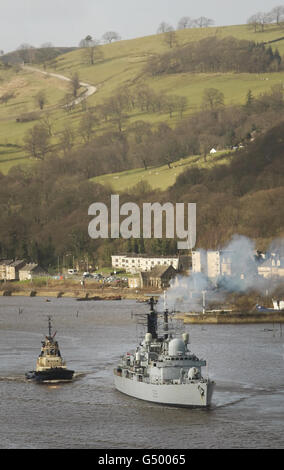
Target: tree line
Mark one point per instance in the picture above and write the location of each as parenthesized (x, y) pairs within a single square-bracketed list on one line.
[(212, 54), (124, 144), (186, 22), (44, 208), (260, 20)]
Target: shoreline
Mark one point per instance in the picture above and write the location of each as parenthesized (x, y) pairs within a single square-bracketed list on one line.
[(111, 294), (87, 294), (232, 318)]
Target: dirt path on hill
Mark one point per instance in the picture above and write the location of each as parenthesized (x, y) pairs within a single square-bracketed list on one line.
[(90, 89)]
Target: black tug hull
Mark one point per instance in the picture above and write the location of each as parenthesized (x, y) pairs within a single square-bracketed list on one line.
[(56, 374)]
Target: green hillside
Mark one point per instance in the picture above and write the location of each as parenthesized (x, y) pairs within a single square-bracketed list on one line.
[(44, 212), (159, 177), (122, 66)]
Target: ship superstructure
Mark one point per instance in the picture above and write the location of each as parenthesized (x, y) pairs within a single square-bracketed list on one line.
[(163, 370), (50, 366)]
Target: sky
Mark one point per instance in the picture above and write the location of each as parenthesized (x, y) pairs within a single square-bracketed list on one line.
[(66, 22)]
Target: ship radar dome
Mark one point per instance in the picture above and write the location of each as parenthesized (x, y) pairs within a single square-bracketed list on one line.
[(176, 347)]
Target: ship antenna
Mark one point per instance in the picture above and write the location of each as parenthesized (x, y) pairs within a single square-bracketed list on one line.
[(166, 316), (49, 326), (165, 300)]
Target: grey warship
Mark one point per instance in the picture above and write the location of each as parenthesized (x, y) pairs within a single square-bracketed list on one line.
[(50, 366), (163, 370)]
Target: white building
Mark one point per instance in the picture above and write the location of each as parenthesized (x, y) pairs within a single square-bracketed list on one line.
[(199, 262), (135, 263), (273, 267), (212, 263)]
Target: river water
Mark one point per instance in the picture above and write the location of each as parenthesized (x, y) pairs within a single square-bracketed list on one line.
[(246, 361)]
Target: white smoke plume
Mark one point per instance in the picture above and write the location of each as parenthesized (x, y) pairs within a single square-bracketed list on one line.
[(193, 292)]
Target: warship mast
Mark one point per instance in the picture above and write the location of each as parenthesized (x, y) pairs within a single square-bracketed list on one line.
[(152, 320)]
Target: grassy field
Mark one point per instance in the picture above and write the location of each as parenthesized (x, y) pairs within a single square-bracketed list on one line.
[(158, 177), (24, 85), (122, 66)]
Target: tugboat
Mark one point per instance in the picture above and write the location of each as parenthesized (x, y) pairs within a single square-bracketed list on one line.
[(163, 370), (50, 367)]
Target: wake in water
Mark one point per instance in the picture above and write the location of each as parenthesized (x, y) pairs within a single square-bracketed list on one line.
[(231, 394), (14, 378)]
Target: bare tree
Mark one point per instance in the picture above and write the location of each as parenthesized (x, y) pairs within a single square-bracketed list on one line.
[(93, 53), (164, 28), (171, 38), (110, 36), (185, 22), (116, 106), (212, 98), (40, 99), (170, 105), (36, 142), (66, 140), (264, 19), (206, 141), (91, 49), (26, 52), (259, 20), (253, 22), (85, 42), (47, 123), (87, 125), (75, 84), (181, 102), (203, 22), (277, 14)]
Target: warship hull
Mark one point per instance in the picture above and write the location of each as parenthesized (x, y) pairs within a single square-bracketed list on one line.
[(196, 394), (54, 374)]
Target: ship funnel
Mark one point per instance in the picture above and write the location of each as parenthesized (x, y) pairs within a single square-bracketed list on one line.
[(185, 337)]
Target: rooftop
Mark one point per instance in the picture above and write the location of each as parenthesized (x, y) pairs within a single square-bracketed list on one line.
[(17, 262), (157, 271), (29, 267), (5, 262), (143, 255)]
